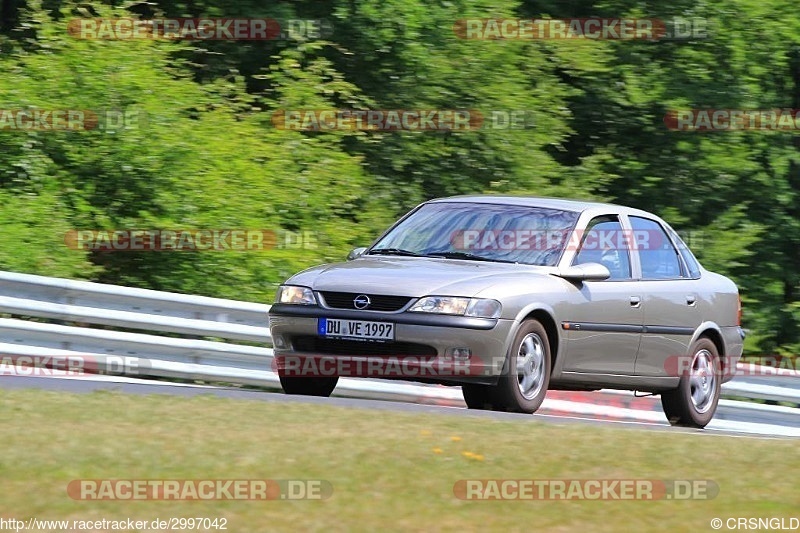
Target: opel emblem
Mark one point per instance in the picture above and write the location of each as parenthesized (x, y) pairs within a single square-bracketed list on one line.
[(361, 301)]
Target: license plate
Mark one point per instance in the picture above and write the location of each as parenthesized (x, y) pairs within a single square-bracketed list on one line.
[(356, 329)]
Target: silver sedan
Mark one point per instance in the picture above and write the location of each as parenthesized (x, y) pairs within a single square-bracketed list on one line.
[(508, 297)]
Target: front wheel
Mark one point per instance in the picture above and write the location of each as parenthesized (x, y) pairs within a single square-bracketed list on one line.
[(526, 376), (477, 396), (694, 402), (309, 386)]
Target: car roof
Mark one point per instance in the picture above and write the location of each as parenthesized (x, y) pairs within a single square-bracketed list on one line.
[(578, 206)]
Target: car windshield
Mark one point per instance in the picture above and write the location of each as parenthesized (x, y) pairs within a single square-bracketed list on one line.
[(481, 232)]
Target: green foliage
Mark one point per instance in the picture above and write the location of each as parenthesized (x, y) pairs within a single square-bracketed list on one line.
[(200, 149)]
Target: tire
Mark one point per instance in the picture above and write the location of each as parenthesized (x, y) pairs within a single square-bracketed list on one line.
[(309, 386), (477, 396), (526, 375), (694, 402)]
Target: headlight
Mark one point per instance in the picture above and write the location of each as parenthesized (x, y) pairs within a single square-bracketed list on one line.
[(484, 307), (453, 305), (292, 294)]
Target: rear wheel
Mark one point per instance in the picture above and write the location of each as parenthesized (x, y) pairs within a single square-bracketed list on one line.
[(694, 402), (316, 386), (526, 376)]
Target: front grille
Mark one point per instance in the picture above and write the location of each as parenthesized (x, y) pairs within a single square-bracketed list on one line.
[(378, 302), (321, 345)]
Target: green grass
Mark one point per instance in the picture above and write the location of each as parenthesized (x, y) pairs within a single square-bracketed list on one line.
[(389, 470)]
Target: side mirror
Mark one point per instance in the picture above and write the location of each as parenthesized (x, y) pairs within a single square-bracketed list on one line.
[(356, 253), (585, 272)]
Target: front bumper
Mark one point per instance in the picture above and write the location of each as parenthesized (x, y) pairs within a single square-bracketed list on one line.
[(422, 349)]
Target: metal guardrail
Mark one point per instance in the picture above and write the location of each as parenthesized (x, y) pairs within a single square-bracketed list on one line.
[(193, 359), (132, 308)]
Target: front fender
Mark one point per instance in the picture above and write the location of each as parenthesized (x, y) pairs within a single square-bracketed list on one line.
[(525, 312)]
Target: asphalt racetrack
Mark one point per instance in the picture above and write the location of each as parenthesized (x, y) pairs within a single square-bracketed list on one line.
[(733, 418)]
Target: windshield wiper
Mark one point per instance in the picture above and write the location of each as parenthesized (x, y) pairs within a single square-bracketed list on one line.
[(465, 255), (393, 251)]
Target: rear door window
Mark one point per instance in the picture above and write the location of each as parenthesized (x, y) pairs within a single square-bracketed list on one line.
[(657, 255)]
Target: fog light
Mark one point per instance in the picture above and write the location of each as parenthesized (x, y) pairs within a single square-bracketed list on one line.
[(460, 353)]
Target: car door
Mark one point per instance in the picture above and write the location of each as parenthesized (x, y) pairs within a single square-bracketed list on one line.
[(603, 325), (670, 298)]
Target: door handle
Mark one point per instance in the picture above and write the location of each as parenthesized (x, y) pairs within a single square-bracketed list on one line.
[(636, 301), (691, 299)]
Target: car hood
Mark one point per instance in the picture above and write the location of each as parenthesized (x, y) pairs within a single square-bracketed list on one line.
[(415, 276)]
